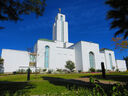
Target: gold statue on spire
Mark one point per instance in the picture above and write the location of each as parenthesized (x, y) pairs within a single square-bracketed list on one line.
[(59, 10)]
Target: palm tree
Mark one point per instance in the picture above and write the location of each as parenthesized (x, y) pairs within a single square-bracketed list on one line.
[(119, 16)]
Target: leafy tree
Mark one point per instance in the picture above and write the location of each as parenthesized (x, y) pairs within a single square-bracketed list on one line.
[(126, 60), (1, 63), (70, 65), (1, 60), (120, 43), (13, 9), (119, 16)]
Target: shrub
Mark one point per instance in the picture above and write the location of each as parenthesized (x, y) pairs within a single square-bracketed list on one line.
[(66, 71), (70, 65), (14, 72), (79, 71), (21, 71), (117, 70), (38, 70), (50, 71), (108, 70), (92, 70), (59, 70), (44, 70), (98, 70), (113, 67)]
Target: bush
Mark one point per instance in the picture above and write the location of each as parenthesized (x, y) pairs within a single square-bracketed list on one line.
[(113, 67), (44, 70), (22, 71), (92, 70), (70, 65), (59, 70), (66, 71), (50, 71), (98, 70), (38, 71), (108, 70), (117, 70), (79, 71), (14, 72)]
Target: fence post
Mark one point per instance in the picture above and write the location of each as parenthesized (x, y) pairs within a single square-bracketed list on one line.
[(28, 74), (103, 69)]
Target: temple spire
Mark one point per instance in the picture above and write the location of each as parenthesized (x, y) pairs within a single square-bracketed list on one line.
[(59, 10)]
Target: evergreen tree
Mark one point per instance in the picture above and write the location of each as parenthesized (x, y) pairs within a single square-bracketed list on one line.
[(13, 9)]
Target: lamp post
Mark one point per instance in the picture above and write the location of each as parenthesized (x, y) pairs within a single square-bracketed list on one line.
[(103, 69), (28, 74)]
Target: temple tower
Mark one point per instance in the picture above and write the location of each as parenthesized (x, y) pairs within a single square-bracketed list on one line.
[(60, 28)]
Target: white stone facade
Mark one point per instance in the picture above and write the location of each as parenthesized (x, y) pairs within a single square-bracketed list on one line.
[(53, 54), (121, 65)]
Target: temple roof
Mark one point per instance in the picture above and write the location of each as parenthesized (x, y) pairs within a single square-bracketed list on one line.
[(102, 49), (46, 40)]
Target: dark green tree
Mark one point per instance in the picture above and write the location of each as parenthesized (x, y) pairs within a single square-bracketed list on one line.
[(126, 60), (70, 65), (1, 60), (119, 16), (13, 9), (1, 63)]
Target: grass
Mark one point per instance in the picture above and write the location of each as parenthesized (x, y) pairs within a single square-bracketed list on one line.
[(46, 83), (115, 76), (36, 85)]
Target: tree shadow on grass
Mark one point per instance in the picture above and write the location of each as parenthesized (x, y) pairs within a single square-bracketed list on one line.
[(76, 84), (120, 78), (15, 88)]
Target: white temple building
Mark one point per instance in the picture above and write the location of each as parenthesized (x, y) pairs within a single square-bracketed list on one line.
[(53, 54)]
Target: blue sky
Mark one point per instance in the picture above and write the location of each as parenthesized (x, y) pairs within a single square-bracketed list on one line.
[(86, 18)]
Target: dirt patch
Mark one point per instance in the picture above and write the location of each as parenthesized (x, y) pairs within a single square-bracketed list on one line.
[(100, 81)]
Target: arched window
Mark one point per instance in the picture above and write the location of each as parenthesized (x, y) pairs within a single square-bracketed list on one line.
[(61, 17), (110, 59), (92, 60), (46, 58)]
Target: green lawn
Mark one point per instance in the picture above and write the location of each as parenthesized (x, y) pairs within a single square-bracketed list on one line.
[(14, 83), (44, 83)]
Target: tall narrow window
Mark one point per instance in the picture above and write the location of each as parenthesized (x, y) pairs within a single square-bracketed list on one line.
[(32, 58), (92, 60), (62, 28), (32, 61), (61, 18), (110, 59), (46, 58)]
